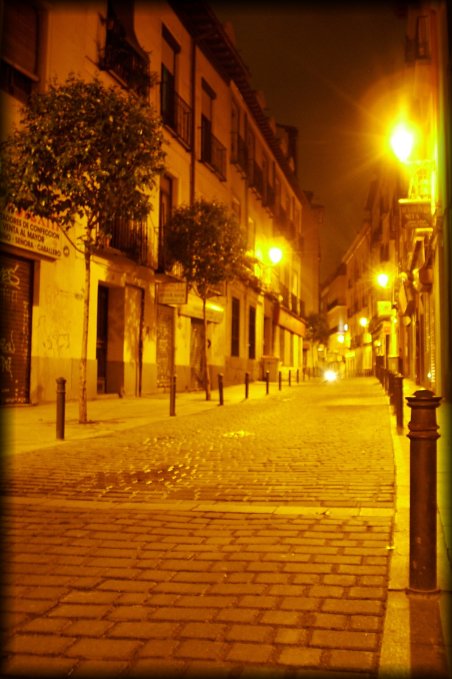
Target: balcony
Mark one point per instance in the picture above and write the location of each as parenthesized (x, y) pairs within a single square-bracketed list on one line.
[(124, 61), (213, 153), (130, 238), (177, 115), (239, 154), (269, 197), (257, 181)]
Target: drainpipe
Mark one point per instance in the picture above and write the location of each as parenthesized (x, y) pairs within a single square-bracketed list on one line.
[(193, 121)]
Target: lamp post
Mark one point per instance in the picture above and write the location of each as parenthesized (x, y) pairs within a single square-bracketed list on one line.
[(418, 208), (386, 312)]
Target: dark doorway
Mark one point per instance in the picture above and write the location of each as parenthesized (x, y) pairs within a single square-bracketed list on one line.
[(102, 338), (16, 279)]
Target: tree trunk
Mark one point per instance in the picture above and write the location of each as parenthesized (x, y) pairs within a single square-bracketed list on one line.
[(82, 402), (206, 367)]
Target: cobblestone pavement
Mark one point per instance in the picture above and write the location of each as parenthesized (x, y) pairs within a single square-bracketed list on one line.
[(316, 444), (244, 540)]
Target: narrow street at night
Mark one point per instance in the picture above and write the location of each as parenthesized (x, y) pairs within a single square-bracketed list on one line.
[(251, 538)]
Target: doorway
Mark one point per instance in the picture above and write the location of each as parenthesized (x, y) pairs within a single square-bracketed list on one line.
[(102, 338), (16, 280), (197, 354)]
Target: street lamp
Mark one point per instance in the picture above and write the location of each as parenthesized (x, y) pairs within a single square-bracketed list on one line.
[(402, 141), (275, 255)]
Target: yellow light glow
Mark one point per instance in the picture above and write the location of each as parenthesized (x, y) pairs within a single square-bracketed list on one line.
[(402, 141), (341, 339), (383, 280), (364, 322), (275, 255)]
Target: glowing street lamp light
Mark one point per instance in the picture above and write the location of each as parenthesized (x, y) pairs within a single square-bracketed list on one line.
[(402, 142), (383, 280), (364, 322), (275, 255)]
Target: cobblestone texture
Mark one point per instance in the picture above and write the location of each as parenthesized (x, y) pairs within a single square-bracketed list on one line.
[(120, 585)]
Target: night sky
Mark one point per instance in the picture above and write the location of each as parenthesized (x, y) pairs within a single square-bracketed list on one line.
[(333, 70)]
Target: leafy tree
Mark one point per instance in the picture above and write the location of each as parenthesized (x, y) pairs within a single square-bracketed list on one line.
[(83, 155), (317, 331), (206, 240), (317, 328)]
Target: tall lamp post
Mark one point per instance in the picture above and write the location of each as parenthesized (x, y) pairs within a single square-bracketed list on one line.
[(387, 312)]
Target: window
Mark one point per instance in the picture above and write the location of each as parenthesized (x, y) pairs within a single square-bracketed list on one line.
[(235, 130), (213, 153), (252, 332), (165, 207), (122, 56), (207, 98), (169, 51), (250, 153), (235, 327), (175, 112), (20, 48), (282, 340)]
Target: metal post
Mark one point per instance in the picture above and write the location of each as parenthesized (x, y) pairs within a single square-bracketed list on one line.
[(391, 387), (247, 384), (298, 375), (267, 381), (279, 380), (60, 406), (289, 378), (398, 400), (173, 396), (220, 388), (423, 507)]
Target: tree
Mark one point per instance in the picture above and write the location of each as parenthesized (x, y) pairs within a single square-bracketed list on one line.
[(317, 331), (206, 240), (83, 155)]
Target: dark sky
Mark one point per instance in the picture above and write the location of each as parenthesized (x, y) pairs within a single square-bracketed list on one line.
[(331, 70)]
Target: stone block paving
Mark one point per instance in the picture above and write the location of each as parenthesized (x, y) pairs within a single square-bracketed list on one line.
[(142, 591), (249, 540), (307, 446)]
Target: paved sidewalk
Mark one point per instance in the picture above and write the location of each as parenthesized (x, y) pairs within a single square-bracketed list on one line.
[(258, 538), (31, 427)]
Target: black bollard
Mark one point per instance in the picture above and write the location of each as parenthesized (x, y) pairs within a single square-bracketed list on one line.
[(60, 406), (289, 378), (220, 388), (398, 400), (423, 507), (391, 387), (267, 381), (280, 380), (173, 396), (247, 384)]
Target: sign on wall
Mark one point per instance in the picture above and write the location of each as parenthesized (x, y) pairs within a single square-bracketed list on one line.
[(35, 234), (172, 293), (416, 214)]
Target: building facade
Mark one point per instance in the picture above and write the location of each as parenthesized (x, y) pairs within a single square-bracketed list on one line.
[(397, 270), (219, 145)]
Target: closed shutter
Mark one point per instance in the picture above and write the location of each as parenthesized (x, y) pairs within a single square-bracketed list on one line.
[(16, 276), (20, 36)]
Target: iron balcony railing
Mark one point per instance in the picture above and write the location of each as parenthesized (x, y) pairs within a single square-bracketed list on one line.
[(177, 115), (213, 153), (131, 238), (120, 58)]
